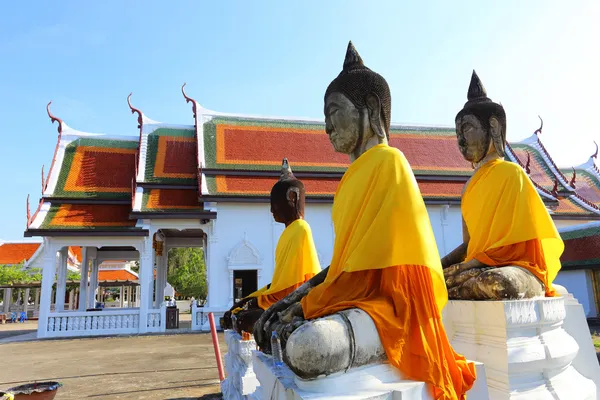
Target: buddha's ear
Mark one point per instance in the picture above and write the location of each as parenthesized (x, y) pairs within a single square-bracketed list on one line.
[(293, 195), (374, 107), (497, 136)]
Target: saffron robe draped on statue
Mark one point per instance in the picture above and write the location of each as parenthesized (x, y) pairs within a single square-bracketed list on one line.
[(508, 223), (385, 262), (296, 261)]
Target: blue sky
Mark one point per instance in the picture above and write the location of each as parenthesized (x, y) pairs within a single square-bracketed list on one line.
[(276, 58)]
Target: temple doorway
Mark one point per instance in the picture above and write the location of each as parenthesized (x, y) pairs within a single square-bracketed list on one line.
[(245, 282)]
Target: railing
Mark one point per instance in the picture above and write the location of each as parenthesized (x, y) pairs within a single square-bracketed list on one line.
[(156, 319), (200, 317), (93, 323)]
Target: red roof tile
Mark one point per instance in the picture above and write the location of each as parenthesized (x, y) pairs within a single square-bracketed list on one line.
[(116, 275)]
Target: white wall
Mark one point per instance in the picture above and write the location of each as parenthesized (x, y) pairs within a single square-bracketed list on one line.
[(254, 222), (579, 284)]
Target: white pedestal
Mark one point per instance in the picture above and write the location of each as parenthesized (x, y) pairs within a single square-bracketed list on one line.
[(240, 380), (381, 382), (526, 352)]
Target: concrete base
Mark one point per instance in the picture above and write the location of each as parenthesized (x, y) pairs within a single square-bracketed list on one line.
[(240, 381), (381, 382), (526, 351)]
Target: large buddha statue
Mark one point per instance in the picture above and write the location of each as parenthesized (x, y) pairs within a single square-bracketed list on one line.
[(510, 248), (296, 259), (381, 297)]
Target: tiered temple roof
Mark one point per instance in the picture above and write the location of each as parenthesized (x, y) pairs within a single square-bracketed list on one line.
[(104, 184), (582, 245)]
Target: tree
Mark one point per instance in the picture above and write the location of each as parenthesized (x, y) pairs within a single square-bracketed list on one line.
[(10, 274), (186, 272)]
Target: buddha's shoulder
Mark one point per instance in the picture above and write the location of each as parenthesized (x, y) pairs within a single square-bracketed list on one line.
[(508, 168)]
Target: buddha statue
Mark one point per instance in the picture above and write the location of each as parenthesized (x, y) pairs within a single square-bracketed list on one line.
[(510, 248), (380, 299), (296, 259)]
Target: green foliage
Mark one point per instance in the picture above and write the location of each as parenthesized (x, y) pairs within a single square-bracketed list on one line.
[(136, 267), (187, 272), (11, 274)]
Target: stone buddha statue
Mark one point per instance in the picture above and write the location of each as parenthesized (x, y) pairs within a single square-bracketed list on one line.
[(379, 301), (296, 259), (510, 248)]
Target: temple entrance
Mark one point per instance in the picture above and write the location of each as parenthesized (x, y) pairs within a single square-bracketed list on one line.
[(245, 282)]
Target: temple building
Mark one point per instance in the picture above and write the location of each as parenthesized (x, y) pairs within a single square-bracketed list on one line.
[(207, 185)]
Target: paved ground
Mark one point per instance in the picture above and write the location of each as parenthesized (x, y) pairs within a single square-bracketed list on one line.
[(175, 367)]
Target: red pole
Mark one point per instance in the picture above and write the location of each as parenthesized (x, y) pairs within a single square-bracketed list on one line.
[(215, 340)]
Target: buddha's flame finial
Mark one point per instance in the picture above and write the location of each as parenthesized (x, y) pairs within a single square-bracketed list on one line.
[(28, 212), (572, 183), (43, 183), (53, 119), (352, 59), (135, 110), (476, 90), (527, 169), (286, 171), (595, 155), (538, 131), (555, 188), (188, 100)]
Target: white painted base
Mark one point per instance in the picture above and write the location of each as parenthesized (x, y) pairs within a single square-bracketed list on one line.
[(526, 351), (381, 382), (240, 380)]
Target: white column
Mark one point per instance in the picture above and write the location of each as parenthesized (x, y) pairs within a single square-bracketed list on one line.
[(36, 302), (83, 283), (48, 274), (61, 280), (121, 299), (93, 282), (146, 275), (212, 262), (19, 298), (137, 296), (7, 299), (26, 302)]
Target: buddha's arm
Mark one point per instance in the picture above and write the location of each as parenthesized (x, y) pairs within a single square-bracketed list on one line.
[(264, 321)]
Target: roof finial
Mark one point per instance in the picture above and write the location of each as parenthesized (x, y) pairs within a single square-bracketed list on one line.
[(135, 110), (53, 118), (286, 171), (189, 99), (572, 183), (43, 183), (28, 212), (595, 155), (538, 131), (527, 169), (555, 188)]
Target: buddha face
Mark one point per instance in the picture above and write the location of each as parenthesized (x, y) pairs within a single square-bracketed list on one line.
[(277, 213), (472, 138), (342, 123)]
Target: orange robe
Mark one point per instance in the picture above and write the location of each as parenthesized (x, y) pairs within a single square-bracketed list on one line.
[(385, 262), (508, 223)]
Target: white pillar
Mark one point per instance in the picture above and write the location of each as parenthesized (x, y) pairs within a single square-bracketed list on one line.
[(137, 296), (61, 280), (121, 300), (146, 275), (48, 274), (83, 283), (93, 283), (26, 302), (36, 302), (7, 299), (213, 262)]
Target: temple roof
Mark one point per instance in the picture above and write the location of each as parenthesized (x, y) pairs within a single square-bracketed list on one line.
[(17, 253), (107, 184), (116, 275), (582, 245)]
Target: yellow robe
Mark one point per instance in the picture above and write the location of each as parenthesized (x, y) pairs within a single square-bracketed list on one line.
[(296, 261), (508, 223), (386, 262)]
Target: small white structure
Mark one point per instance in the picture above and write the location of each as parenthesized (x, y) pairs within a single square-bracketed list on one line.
[(241, 380)]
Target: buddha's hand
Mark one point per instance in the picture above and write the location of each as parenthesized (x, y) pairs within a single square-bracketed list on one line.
[(287, 316), (457, 274)]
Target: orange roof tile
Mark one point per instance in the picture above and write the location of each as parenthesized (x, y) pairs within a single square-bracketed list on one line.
[(116, 275), (76, 251), (16, 253)]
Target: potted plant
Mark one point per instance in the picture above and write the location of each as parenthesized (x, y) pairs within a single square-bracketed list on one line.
[(35, 391)]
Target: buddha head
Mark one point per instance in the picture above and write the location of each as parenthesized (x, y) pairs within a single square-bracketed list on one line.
[(287, 196), (358, 106), (480, 125)]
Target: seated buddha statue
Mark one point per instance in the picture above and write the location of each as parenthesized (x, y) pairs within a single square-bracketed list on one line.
[(296, 259), (511, 247), (380, 300)]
